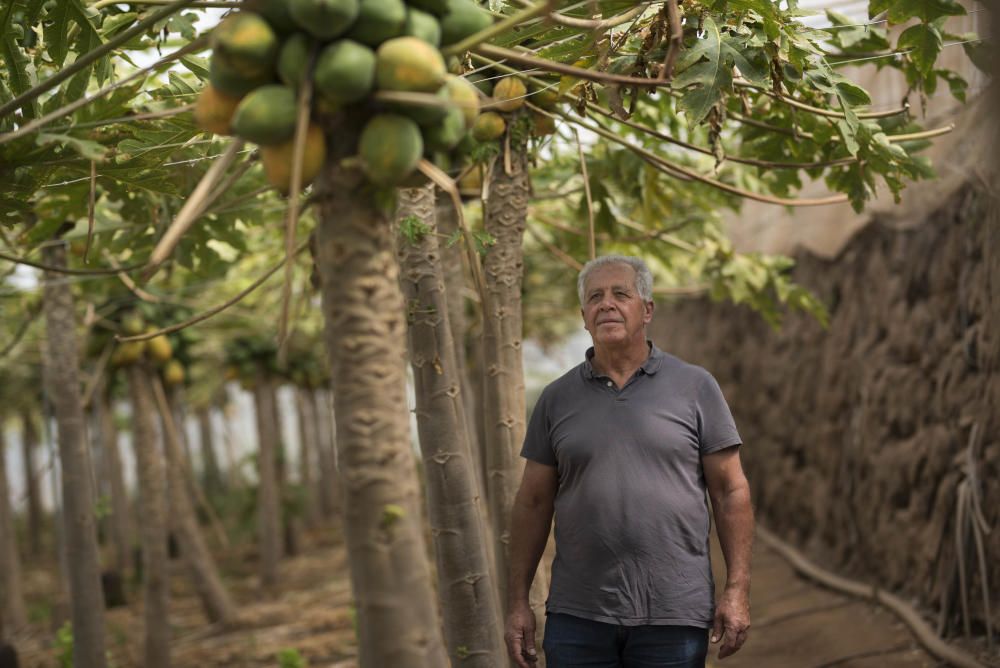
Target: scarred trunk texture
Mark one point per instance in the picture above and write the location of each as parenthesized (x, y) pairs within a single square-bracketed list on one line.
[(269, 534), (63, 388), (13, 614), (398, 623), (308, 451), (151, 474), (29, 443), (211, 475), (204, 573), (468, 595), (504, 403), (119, 524)]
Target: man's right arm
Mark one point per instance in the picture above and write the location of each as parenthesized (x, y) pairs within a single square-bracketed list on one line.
[(531, 520)]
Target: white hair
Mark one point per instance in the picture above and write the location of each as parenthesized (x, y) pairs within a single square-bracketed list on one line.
[(643, 276)]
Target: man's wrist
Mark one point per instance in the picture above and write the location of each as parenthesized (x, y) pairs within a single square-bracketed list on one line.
[(741, 585)]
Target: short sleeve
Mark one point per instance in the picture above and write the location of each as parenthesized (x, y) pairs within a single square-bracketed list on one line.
[(537, 444), (716, 427)]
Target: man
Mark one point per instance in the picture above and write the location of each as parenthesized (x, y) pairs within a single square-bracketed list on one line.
[(621, 450)]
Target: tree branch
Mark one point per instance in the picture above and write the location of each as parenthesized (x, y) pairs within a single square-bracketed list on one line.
[(89, 58), (65, 110), (674, 169), (205, 315), (70, 272), (193, 208)]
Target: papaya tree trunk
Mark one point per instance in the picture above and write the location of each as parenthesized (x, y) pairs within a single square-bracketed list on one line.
[(119, 521), (504, 407), (61, 366), (308, 452), (269, 534), (398, 623), (211, 475), (468, 595), (151, 475), (12, 610), (452, 265), (29, 443), (208, 585), (326, 442)]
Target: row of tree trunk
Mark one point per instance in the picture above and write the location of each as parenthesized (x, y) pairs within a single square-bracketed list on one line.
[(373, 312)]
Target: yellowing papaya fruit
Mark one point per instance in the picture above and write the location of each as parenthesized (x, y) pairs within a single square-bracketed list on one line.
[(277, 159), (246, 43), (213, 111), (159, 349), (173, 373), (489, 126), (409, 64), (465, 96), (508, 94)]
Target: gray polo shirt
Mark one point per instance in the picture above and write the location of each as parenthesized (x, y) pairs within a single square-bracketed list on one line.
[(631, 511)]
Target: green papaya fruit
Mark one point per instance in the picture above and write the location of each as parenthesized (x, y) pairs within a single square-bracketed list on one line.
[(267, 115), (345, 71)]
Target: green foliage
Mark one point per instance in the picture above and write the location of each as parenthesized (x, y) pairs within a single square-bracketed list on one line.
[(64, 645), (413, 229), (290, 658)]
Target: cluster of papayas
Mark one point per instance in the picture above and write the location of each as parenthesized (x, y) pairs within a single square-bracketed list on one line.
[(357, 48), (158, 350), (509, 95)]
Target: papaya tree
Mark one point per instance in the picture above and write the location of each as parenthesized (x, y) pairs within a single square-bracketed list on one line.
[(359, 110), (457, 515), (13, 611), (78, 495)]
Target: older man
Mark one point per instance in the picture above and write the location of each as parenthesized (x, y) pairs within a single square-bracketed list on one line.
[(622, 450)]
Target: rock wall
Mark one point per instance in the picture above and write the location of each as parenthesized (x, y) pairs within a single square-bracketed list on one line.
[(858, 436)]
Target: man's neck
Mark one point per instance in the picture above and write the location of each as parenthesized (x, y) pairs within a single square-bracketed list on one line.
[(620, 362)]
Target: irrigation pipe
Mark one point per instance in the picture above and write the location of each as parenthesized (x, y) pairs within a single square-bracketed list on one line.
[(930, 640)]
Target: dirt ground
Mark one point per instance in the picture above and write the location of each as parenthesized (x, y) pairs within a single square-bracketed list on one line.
[(795, 624)]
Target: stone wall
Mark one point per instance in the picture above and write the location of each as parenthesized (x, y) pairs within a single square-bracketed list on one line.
[(857, 436)]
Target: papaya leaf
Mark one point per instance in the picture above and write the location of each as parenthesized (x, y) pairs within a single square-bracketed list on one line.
[(91, 150), (900, 11), (924, 43), (17, 68)]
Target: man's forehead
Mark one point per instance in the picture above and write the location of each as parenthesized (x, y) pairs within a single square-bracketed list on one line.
[(612, 275)]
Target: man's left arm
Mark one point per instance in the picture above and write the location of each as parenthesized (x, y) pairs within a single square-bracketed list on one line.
[(730, 494)]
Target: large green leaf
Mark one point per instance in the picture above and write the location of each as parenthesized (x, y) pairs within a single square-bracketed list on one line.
[(924, 43), (925, 10), (708, 67)]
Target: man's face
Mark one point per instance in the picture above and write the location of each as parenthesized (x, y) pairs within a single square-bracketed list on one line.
[(613, 311)]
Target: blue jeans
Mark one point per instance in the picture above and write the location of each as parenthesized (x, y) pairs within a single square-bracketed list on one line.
[(574, 642)]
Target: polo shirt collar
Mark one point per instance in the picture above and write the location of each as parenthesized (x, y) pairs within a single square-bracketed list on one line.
[(649, 367)]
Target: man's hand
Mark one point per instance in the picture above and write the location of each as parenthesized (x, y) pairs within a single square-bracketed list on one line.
[(732, 621), (520, 635)]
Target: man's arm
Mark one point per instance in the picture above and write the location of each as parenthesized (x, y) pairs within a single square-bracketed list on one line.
[(531, 521), (730, 494)]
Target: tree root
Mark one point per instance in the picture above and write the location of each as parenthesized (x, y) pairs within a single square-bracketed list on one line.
[(930, 640)]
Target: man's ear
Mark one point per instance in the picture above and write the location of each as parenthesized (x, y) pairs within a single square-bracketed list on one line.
[(647, 315)]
